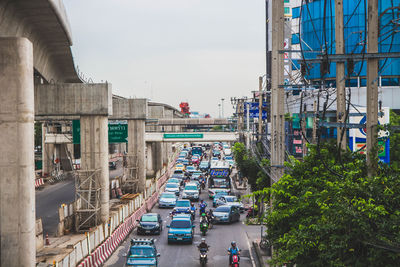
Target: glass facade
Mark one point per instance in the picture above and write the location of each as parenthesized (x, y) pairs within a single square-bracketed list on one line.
[(317, 29)]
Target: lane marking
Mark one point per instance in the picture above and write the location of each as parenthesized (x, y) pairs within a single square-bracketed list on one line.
[(250, 251)]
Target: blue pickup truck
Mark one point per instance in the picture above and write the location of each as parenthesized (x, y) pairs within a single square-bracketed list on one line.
[(142, 252), (181, 229)]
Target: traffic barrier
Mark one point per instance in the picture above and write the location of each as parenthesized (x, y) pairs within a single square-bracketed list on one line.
[(39, 182), (109, 236)]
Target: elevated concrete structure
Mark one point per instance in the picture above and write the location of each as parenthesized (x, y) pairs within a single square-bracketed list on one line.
[(45, 24), (192, 137), (69, 99), (190, 121), (135, 112), (17, 193)]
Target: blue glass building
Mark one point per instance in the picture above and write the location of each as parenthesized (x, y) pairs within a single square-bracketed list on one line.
[(317, 30)]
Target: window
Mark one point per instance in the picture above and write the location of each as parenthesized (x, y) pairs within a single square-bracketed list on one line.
[(287, 10), (286, 1)]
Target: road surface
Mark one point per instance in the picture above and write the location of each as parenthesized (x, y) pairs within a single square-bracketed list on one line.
[(49, 199), (219, 238)]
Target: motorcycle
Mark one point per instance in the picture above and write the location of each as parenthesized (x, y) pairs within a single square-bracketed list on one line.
[(203, 185), (203, 227), (203, 257), (235, 259), (251, 212), (210, 219), (193, 213)]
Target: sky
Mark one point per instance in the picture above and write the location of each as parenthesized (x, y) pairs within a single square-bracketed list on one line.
[(196, 51)]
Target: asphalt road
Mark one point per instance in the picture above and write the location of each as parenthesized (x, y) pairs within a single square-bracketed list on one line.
[(50, 198), (219, 238)]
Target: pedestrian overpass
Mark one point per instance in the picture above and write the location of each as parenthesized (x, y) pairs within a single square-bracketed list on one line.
[(192, 137)]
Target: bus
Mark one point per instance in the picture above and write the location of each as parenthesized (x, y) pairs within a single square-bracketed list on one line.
[(197, 150), (219, 179)]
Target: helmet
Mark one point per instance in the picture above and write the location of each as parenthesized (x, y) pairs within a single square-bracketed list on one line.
[(203, 240), (233, 243)]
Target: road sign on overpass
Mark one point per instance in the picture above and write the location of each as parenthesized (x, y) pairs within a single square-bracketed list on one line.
[(192, 137)]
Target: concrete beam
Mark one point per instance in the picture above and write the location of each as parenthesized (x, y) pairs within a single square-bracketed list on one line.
[(129, 109), (45, 24), (17, 192), (201, 137), (72, 99), (192, 121)]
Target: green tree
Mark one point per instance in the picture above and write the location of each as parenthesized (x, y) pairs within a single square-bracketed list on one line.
[(330, 213), (394, 141)]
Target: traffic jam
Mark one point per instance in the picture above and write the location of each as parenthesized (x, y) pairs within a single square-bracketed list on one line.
[(200, 201)]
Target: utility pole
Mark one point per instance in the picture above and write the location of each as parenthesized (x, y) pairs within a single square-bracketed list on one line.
[(222, 101), (372, 87), (304, 130), (277, 94), (340, 75), (248, 126), (315, 121), (260, 107)]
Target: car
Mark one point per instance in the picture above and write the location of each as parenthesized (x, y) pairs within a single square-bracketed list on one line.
[(216, 153), (212, 192), (196, 175), (195, 159), (149, 223), (231, 201), (217, 196), (182, 206), (181, 229), (167, 200), (185, 162), (191, 191), (204, 166), (173, 187), (112, 165), (180, 166), (174, 180), (190, 169), (226, 214), (179, 160), (142, 252)]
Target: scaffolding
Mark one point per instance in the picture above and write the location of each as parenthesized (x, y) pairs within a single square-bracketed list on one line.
[(130, 180), (87, 189)]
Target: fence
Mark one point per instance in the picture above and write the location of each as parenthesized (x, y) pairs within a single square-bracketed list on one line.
[(101, 242)]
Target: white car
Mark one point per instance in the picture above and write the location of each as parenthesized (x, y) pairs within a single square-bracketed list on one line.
[(230, 201), (191, 192), (173, 188)]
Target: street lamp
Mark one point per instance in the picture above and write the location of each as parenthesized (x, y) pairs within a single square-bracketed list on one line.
[(219, 110), (222, 100)]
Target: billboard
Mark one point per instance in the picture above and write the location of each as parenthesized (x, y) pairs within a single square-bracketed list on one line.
[(254, 110), (357, 136)]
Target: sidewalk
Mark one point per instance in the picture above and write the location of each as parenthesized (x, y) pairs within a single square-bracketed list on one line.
[(261, 255)]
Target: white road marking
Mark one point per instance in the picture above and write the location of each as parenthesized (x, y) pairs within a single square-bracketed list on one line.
[(250, 251)]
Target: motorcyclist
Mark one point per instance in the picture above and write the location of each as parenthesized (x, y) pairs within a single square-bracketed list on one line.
[(233, 250), (193, 210), (202, 206), (203, 245), (210, 215)]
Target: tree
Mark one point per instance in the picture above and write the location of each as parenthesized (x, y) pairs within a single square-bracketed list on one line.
[(327, 212)]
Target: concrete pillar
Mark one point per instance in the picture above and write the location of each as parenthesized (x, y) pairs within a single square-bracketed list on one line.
[(149, 160), (157, 156), (136, 147), (94, 155), (165, 154), (17, 192)]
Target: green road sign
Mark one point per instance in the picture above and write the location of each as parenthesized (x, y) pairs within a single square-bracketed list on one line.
[(117, 133), (183, 136)]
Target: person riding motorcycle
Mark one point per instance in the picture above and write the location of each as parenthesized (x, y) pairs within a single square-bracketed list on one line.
[(203, 207), (203, 244), (193, 210), (210, 216), (233, 250)]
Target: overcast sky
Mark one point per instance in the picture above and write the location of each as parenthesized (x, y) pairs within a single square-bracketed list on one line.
[(170, 51)]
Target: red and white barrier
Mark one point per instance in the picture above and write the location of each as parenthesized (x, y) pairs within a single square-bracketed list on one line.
[(39, 182)]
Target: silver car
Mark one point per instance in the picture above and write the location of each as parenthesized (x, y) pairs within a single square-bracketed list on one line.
[(173, 188), (167, 200), (191, 192)]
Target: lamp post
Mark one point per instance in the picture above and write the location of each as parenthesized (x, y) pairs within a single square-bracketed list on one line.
[(222, 100), (219, 110)]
